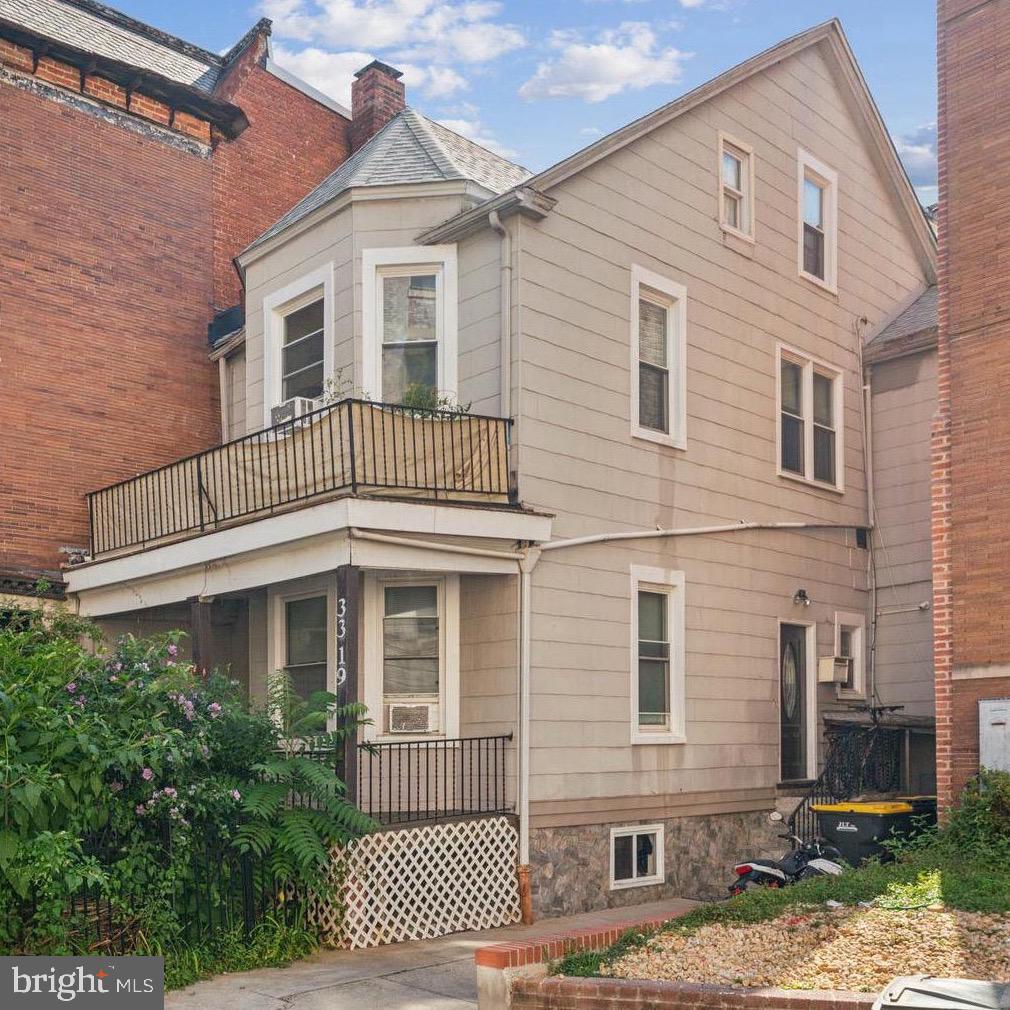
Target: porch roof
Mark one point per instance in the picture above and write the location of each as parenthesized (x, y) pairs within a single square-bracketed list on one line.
[(372, 533)]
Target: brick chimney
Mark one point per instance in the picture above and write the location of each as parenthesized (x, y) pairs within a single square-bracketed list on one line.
[(377, 95)]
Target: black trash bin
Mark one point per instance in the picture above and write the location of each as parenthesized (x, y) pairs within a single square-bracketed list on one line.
[(857, 829), (923, 992)]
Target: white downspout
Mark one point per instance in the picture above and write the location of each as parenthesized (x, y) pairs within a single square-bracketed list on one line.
[(526, 566), (505, 339)]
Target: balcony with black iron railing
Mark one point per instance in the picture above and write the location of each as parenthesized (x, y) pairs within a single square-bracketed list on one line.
[(350, 447)]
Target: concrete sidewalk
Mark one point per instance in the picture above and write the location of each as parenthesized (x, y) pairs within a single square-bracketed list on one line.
[(420, 975)]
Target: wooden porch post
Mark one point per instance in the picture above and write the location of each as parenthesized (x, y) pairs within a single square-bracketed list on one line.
[(347, 617), (200, 633)]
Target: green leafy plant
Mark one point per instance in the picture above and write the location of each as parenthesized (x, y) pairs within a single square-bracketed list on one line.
[(119, 766), (422, 397)]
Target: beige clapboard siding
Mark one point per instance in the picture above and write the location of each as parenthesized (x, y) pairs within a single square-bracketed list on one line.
[(235, 390), (904, 405), (655, 203), (480, 323)]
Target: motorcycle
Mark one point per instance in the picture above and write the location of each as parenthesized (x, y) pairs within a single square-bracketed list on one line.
[(807, 859)]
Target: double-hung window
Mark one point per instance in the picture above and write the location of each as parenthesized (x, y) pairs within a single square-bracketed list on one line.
[(736, 186), (409, 309), (305, 644), (298, 329), (302, 352), (657, 682), (409, 302), (658, 319), (411, 667), (810, 419), (818, 221)]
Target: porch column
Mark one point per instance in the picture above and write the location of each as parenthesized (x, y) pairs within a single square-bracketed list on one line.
[(347, 617), (200, 633)]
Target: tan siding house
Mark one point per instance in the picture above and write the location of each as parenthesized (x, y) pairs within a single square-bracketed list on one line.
[(605, 569)]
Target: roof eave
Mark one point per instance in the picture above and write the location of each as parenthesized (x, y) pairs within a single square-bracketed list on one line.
[(227, 118), (523, 200), (901, 347)]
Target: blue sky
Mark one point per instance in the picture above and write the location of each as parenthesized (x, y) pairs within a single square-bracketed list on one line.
[(538, 79)]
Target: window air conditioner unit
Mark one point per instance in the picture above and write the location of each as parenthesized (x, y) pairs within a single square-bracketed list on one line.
[(411, 718), (833, 669), (291, 410)]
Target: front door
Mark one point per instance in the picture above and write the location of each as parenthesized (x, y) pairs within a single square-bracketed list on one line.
[(793, 702)]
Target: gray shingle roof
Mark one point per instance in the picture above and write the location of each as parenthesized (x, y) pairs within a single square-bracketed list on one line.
[(409, 148), (920, 318), (105, 32)]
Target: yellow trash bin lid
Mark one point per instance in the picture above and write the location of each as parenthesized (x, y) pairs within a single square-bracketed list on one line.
[(887, 807)]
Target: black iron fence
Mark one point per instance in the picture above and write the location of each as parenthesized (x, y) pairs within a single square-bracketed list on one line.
[(860, 758), (352, 446), (433, 780), (217, 890)]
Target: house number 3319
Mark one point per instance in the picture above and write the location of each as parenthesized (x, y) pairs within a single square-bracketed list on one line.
[(341, 641)]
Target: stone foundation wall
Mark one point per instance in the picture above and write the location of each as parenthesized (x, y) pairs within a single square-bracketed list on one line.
[(570, 866)]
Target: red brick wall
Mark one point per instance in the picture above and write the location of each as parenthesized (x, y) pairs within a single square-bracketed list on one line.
[(291, 145), (971, 474), (116, 248), (105, 266)]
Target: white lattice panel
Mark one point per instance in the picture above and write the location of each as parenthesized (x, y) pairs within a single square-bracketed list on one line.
[(418, 883)]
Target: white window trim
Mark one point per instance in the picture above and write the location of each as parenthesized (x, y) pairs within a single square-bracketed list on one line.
[(811, 671), (659, 876), (676, 336), (439, 257), (809, 166), (448, 630), (858, 623), (277, 599), (276, 306), (726, 140), (672, 584), (810, 365)]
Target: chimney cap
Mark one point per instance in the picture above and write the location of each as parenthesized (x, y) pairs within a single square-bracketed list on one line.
[(383, 67)]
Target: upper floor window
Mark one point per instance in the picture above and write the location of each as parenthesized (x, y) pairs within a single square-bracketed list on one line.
[(658, 314), (810, 413), (298, 339), (302, 352), (409, 325), (818, 221), (736, 183), (409, 316), (657, 683)]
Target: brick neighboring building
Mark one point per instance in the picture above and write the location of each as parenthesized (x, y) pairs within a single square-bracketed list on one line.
[(971, 446), (133, 167)]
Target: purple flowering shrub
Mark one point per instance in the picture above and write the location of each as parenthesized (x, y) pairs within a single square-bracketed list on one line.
[(122, 760)]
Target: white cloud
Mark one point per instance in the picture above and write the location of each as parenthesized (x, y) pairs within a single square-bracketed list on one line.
[(625, 58), (440, 32), (474, 130), (917, 151), (332, 73), (590, 131)]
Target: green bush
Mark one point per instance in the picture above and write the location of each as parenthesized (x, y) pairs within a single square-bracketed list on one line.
[(106, 754)]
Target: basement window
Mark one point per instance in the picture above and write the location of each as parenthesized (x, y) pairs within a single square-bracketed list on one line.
[(636, 856)]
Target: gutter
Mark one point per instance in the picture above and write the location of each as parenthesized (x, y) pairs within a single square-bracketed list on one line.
[(521, 200)]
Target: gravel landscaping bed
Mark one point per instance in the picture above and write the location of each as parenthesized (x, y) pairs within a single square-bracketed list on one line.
[(851, 948)]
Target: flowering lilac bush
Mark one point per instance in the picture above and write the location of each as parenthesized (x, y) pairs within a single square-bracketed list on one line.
[(124, 760)]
